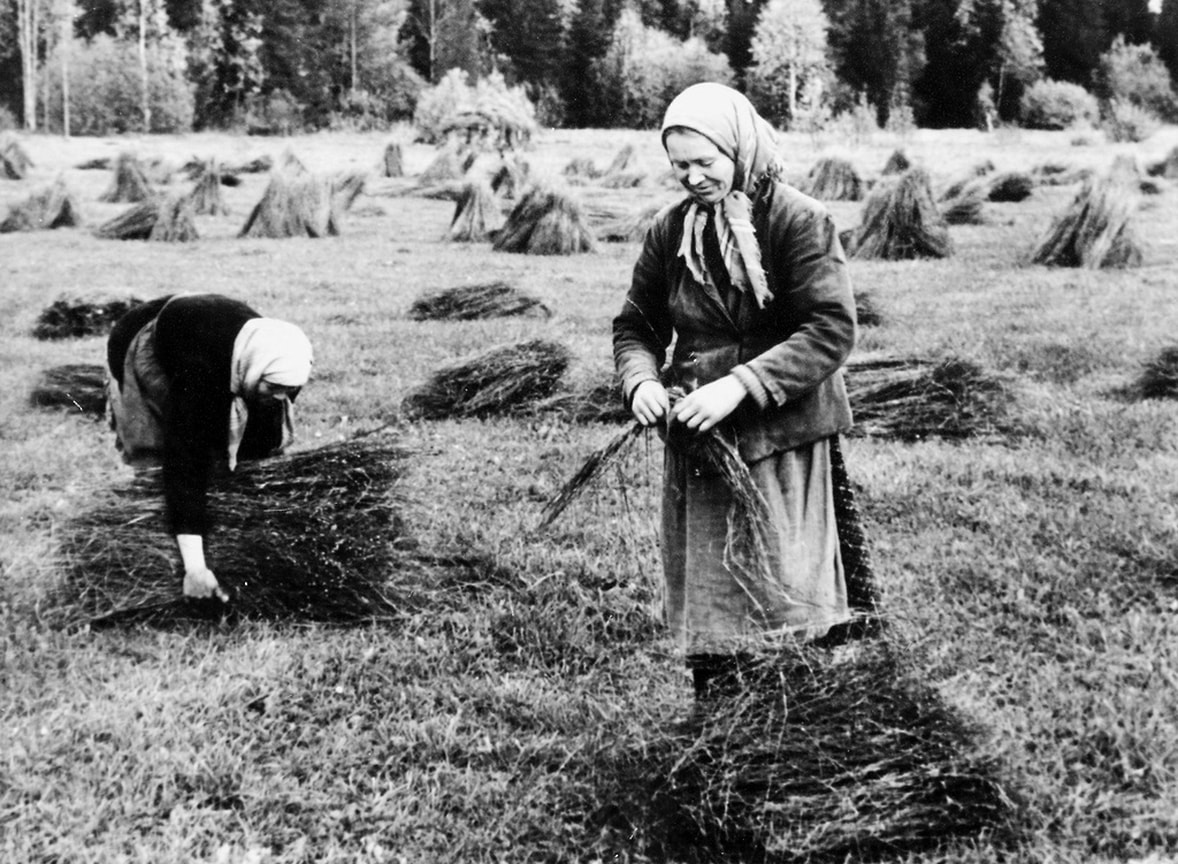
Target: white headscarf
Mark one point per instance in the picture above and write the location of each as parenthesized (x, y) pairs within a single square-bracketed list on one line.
[(269, 350), (727, 119)]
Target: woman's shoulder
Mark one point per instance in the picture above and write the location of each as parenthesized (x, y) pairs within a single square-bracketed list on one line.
[(788, 200)]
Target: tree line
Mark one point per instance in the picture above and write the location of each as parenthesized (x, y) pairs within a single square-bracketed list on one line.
[(280, 65)]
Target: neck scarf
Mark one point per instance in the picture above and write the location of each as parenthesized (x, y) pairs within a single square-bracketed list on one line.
[(269, 350), (727, 119)]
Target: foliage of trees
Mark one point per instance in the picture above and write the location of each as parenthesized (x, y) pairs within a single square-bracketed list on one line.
[(789, 59), (272, 65)]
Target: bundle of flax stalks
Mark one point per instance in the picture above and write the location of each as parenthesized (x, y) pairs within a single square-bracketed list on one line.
[(79, 387), (818, 756), (1095, 231), (545, 221), (14, 161), (52, 207), (833, 179), (596, 401), (206, 196), (911, 398), (477, 215), (129, 182), (470, 302), (746, 550), (1159, 379), (305, 537), (72, 318), (164, 219), (500, 380), (901, 221), (296, 203)]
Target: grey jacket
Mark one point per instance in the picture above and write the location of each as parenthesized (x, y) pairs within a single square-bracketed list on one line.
[(788, 355)]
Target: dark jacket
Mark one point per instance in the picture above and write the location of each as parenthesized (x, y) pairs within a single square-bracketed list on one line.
[(194, 338), (788, 354)]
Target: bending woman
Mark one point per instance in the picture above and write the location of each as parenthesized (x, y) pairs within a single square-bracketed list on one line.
[(198, 381), (746, 275)]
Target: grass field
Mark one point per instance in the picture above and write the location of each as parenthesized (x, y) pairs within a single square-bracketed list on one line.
[(1033, 578)]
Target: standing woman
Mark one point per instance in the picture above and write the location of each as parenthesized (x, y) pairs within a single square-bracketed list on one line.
[(198, 381), (748, 277)]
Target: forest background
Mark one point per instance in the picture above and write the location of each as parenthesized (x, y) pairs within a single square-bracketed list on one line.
[(282, 66)]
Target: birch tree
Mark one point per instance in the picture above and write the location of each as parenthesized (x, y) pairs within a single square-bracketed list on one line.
[(27, 23), (789, 50)]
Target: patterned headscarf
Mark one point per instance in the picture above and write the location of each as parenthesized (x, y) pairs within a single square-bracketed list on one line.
[(269, 350), (727, 119)]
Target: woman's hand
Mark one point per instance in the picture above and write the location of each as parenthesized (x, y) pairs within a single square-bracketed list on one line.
[(199, 580), (703, 408), (202, 583), (650, 403)]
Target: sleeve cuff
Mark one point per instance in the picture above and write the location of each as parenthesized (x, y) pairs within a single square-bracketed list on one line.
[(630, 386), (752, 384)]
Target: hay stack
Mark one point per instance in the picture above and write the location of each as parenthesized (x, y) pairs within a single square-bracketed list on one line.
[(449, 163), (471, 302), (624, 180), (911, 398), (623, 161), (630, 227), (866, 311), (545, 222), (80, 387), (134, 223), (897, 163), (73, 318), (100, 163), (305, 537), (175, 221), (346, 188), (501, 380), (392, 163), (206, 193), (967, 207), (290, 163), (477, 215), (53, 207), (1095, 230), (901, 221), (1159, 379), (259, 165), (129, 182), (166, 219), (1167, 168), (817, 756), (957, 187), (509, 178), (833, 179), (580, 169), (1012, 186), (295, 204), (14, 161)]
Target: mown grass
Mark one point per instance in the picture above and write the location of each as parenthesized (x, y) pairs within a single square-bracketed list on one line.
[(1034, 578)]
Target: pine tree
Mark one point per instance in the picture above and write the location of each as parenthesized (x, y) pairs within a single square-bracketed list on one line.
[(529, 33), (962, 46), (1075, 34), (1165, 36), (589, 37), (1129, 18), (876, 48)]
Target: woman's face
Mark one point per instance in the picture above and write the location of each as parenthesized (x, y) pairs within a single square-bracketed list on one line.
[(705, 172), (268, 392)]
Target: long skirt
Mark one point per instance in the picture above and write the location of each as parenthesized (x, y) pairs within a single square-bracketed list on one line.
[(713, 606)]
